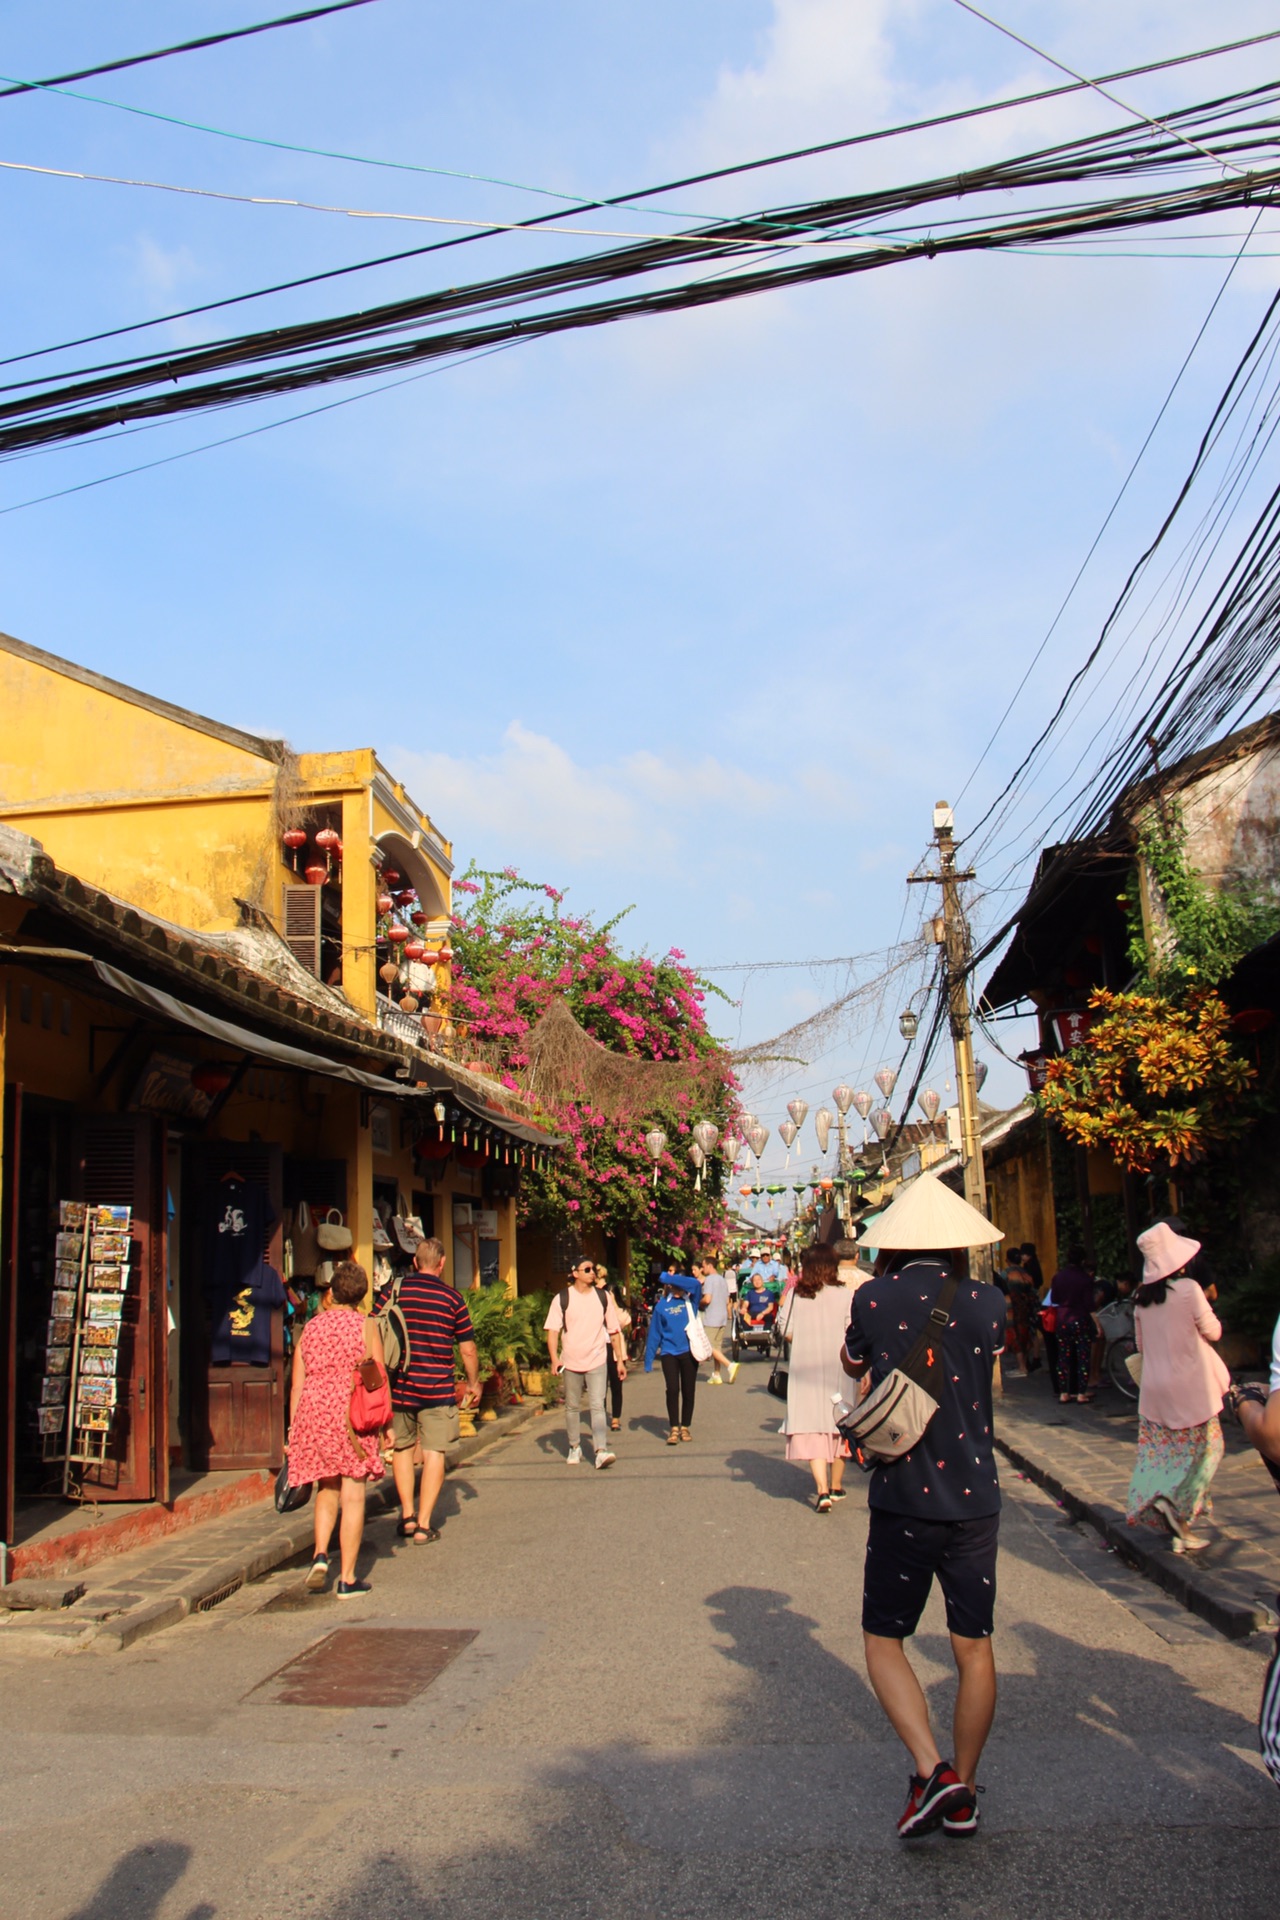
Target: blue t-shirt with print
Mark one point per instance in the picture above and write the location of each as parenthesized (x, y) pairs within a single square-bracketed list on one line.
[(950, 1474)]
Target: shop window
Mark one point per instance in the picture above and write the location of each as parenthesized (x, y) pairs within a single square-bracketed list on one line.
[(66, 1016), (24, 1005), (46, 1012)]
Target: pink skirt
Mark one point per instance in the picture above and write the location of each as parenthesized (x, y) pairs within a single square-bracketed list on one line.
[(817, 1446)]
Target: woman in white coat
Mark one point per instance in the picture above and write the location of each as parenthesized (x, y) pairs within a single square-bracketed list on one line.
[(815, 1320)]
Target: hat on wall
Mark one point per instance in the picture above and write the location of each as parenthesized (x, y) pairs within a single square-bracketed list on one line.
[(927, 1217), (1164, 1252)]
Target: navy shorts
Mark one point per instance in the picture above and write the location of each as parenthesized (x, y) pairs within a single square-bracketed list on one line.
[(904, 1554)]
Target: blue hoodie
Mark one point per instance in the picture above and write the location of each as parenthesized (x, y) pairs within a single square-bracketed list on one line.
[(669, 1323)]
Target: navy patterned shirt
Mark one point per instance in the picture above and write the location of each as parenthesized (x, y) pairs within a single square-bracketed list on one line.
[(951, 1473)]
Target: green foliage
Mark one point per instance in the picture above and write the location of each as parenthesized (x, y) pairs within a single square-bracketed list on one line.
[(1212, 931), (1251, 1305), (508, 1331)]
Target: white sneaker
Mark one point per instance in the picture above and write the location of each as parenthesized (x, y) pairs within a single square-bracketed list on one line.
[(574, 1457), (605, 1459), (715, 1381)]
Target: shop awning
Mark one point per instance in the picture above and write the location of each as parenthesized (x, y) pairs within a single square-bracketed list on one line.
[(168, 1007)]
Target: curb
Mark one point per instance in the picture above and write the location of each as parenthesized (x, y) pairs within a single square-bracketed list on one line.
[(1194, 1587), (259, 1557)]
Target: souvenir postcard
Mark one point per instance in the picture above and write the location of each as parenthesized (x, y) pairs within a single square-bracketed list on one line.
[(57, 1360), (96, 1393), (52, 1419), (66, 1274), (69, 1247), (109, 1275), (109, 1246), (103, 1307), (60, 1332), (64, 1303), (94, 1420), (53, 1391), (71, 1213), (99, 1365), (99, 1335), (109, 1217)]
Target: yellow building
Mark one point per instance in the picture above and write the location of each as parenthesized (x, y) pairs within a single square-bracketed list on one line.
[(255, 912)]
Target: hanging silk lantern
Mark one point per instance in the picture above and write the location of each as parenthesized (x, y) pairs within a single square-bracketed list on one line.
[(706, 1133), (758, 1139), (413, 949), (929, 1102), (798, 1109), (882, 1121), (293, 840), (699, 1160), (390, 878), (788, 1129), (388, 971), (397, 934), (405, 896), (745, 1192), (979, 1075), (316, 876), (823, 1120), (655, 1144), (863, 1104), (843, 1097), (409, 1004), (385, 904), (887, 1080), (745, 1123), (328, 842), (728, 1149)]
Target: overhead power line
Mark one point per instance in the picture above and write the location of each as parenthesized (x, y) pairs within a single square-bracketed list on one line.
[(632, 197), (184, 46)]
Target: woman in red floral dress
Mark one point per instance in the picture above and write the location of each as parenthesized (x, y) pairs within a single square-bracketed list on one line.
[(322, 1446)]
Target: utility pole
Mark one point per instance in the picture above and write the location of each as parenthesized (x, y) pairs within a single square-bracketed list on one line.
[(952, 933)]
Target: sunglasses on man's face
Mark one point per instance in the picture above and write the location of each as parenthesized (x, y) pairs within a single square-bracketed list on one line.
[(586, 1267)]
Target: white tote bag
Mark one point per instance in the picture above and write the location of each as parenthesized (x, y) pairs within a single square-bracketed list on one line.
[(699, 1345)]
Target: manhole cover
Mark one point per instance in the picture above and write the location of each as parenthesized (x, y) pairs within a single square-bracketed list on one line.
[(365, 1667)]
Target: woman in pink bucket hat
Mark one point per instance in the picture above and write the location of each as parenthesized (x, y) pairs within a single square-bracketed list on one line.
[(1180, 1394)]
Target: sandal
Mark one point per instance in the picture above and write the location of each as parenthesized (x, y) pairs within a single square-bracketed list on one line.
[(422, 1535), (685, 1434), (406, 1528), (615, 1426), (673, 1438)]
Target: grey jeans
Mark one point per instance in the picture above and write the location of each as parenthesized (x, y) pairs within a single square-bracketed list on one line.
[(595, 1383)]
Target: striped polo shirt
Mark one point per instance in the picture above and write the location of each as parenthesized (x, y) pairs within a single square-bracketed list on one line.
[(437, 1319)]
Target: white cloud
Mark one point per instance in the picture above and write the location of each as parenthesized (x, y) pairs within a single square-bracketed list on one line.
[(532, 801)]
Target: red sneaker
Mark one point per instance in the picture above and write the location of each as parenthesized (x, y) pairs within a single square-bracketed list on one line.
[(930, 1801), (962, 1820)]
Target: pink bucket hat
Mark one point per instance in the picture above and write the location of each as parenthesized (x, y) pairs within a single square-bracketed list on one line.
[(1164, 1252)]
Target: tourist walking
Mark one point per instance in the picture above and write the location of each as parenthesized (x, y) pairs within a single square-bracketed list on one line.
[(935, 1510), (1020, 1294), (1257, 1408), (323, 1448), (1075, 1329), (423, 1394), (668, 1341), (1180, 1393), (581, 1327), (715, 1320), (814, 1322), (615, 1378)]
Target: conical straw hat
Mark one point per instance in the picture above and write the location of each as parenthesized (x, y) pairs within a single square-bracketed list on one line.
[(928, 1216)]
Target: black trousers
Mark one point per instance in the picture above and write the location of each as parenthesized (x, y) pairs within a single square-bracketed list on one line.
[(615, 1388), (680, 1371)]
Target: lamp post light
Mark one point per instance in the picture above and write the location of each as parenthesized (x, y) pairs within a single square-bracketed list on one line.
[(908, 1025)]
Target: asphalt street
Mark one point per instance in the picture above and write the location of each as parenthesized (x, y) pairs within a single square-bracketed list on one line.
[(663, 1711)]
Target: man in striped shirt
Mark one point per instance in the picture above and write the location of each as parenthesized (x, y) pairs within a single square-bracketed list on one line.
[(424, 1405)]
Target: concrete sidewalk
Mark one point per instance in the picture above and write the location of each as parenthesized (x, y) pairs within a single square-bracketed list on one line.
[(1084, 1457), (108, 1606)]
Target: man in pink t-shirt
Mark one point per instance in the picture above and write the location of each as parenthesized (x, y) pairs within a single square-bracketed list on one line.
[(582, 1325)]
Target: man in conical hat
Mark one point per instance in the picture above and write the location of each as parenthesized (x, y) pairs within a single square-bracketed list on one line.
[(935, 1510)]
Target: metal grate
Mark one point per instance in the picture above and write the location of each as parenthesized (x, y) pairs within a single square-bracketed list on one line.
[(216, 1598), (365, 1667)]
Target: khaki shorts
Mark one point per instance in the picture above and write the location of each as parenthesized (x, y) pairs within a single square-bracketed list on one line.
[(432, 1428)]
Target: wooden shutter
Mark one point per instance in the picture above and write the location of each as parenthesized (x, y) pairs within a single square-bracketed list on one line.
[(302, 925), (118, 1163)]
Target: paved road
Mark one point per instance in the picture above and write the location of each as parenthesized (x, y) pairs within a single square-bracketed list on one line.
[(663, 1712)]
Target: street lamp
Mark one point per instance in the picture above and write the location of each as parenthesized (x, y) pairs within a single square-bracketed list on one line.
[(908, 1025)]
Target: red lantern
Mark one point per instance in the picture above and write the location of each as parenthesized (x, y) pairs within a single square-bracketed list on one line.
[(293, 839), (211, 1077), (385, 904), (445, 956), (413, 949), (405, 895), (329, 839), (390, 878), (418, 917), (397, 934), (316, 876)]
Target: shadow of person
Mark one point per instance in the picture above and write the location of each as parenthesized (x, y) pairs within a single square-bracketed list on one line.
[(799, 1689), (770, 1473), (139, 1883), (648, 1423)]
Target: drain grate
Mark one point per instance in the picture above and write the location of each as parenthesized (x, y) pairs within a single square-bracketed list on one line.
[(216, 1598), (365, 1667)]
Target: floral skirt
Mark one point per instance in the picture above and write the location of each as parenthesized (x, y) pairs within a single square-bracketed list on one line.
[(1178, 1465)]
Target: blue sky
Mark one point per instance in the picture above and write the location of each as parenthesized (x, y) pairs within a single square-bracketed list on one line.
[(699, 613)]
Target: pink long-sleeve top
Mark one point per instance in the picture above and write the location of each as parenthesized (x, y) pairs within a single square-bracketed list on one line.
[(1183, 1379)]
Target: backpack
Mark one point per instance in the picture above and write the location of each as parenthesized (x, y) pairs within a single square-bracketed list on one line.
[(563, 1298), (394, 1329)]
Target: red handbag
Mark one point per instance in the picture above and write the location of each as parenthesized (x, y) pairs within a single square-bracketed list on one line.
[(370, 1409)]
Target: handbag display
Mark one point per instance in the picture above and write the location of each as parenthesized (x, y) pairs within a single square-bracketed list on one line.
[(893, 1417), (303, 1243), (370, 1408), (699, 1345), (289, 1499), (331, 1235)]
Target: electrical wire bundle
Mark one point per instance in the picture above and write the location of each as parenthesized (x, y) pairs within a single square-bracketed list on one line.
[(1238, 134)]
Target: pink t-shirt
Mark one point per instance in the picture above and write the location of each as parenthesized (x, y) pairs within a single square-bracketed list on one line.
[(586, 1328)]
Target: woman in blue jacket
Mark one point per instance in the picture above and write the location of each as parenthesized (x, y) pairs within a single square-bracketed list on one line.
[(669, 1342)]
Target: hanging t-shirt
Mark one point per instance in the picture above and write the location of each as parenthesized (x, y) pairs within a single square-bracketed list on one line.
[(238, 1217), (242, 1336)]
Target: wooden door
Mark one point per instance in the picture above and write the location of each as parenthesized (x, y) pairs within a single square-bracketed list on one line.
[(9, 1190), (236, 1413), (118, 1161)]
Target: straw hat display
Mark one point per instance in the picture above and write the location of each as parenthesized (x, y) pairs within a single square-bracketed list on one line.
[(927, 1216)]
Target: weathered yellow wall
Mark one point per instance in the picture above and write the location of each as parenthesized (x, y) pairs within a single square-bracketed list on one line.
[(1021, 1191)]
